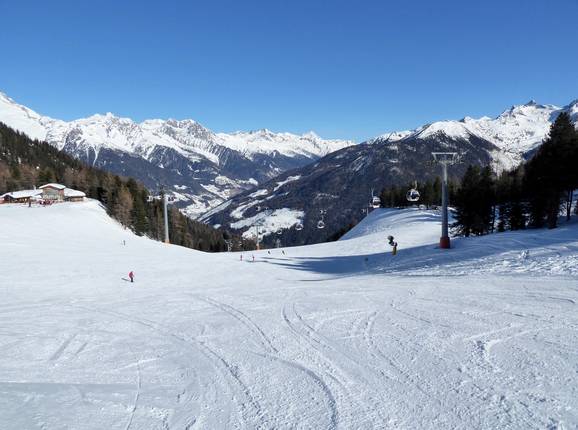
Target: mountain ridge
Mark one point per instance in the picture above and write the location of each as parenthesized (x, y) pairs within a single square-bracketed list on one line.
[(204, 167), (340, 183)]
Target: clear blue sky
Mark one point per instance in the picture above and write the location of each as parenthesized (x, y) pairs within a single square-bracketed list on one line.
[(346, 69)]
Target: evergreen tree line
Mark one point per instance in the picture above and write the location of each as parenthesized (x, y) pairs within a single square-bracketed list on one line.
[(532, 195), (26, 163)]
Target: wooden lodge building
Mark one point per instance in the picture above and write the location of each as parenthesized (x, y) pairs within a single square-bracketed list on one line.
[(46, 193)]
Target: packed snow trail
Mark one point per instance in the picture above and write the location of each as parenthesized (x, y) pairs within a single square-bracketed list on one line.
[(338, 335)]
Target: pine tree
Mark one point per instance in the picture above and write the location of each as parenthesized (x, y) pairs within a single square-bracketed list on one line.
[(475, 202), (486, 201), (465, 204), (551, 175), (139, 216)]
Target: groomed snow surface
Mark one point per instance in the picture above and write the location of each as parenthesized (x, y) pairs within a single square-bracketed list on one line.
[(337, 335)]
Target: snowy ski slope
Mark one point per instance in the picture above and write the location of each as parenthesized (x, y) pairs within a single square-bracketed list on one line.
[(337, 335)]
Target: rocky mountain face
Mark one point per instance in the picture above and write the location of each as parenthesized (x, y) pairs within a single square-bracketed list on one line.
[(340, 183), (201, 168)]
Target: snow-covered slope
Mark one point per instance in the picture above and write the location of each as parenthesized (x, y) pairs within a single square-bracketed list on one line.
[(337, 335), (204, 167)]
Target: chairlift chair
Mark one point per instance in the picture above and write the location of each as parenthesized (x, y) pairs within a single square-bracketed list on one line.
[(375, 202), (412, 195), (321, 223), (299, 227)]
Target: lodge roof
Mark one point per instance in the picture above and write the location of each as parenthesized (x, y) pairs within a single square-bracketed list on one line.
[(22, 194), (53, 185), (69, 192)]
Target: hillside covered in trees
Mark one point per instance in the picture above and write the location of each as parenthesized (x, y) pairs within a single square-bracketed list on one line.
[(26, 163), (533, 195)]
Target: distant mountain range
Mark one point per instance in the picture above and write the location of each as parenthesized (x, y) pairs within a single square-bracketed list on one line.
[(281, 180), (200, 167), (340, 182)]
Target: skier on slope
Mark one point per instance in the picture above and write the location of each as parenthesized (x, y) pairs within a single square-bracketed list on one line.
[(131, 276)]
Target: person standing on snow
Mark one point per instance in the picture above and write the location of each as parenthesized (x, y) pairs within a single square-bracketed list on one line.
[(131, 276)]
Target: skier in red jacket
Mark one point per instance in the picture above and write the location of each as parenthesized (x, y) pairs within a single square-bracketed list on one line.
[(131, 276)]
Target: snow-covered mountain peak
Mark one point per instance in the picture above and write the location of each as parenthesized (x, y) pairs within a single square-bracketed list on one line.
[(4, 97), (311, 135), (99, 118), (110, 131), (289, 144), (530, 109), (392, 136), (262, 132), (451, 129), (185, 130), (515, 132), (22, 118)]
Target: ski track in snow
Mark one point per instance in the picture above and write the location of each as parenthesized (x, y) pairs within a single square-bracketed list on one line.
[(338, 335)]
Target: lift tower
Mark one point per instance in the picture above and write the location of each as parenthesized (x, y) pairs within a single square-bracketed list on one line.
[(445, 159)]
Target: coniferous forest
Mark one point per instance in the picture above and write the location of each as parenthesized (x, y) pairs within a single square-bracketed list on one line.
[(25, 163), (535, 194)]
